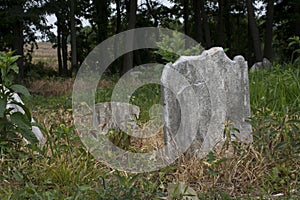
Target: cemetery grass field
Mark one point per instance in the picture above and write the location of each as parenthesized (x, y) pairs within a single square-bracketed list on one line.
[(63, 169)]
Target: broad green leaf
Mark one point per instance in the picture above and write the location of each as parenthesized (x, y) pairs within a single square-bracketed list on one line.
[(23, 126), (20, 89), (25, 108), (292, 43), (212, 172), (3, 123), (20, 120), (15, 58), (3, 102), (211, 157), (29, 135), (15, 68)]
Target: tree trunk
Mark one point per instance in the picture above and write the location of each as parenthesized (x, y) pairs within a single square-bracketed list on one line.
[(228, 34), (269, 30), (18, 46), (73, 36), (18, 39), (186, 16), (128, 58), (116, 65), (60, 67), (296, 23), (250, 49), (101, 19), (118, 7), (198, 25), (254, 31), (221, 25), (205, 25), (64, 49), (137, 57), (239, 44)]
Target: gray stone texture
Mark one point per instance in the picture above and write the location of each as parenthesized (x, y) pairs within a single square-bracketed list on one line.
[(220, 86), (116, 115), (265, 64)]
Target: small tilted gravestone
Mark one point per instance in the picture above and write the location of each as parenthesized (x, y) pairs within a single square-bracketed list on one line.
[(265, 64), (116, 115), (220, 88)]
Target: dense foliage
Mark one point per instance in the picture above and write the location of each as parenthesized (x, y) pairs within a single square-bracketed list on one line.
[(254, 29)]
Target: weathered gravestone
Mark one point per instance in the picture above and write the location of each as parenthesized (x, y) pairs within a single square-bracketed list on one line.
[(107, 116), (116, 115), (220, 86), (265, 64)]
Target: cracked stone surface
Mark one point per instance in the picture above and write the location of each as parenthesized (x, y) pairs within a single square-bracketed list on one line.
[(221, 91)]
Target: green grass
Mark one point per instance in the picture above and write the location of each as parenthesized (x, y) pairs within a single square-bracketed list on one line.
[(277, 90), (63, 169), (144, 97), (38, 102)]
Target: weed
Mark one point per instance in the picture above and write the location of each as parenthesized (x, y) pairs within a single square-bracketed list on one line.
[(14, 124), (295, 41)]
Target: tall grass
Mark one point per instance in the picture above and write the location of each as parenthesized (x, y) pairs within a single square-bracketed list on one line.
[(277, 90)]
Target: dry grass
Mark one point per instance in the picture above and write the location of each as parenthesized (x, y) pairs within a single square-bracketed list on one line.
[(46, 54), (150, 143), (237, 169), (51, 87), (45, 49), (57, 87), (48, 117), (233, 173)]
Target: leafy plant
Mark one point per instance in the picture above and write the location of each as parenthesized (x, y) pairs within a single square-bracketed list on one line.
[(295, 42), (120, 185), (177, 44), (212, 163), (13, 123)]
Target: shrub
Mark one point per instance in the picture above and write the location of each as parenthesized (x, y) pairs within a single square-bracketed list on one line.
[(13, 125), (176, 43)]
